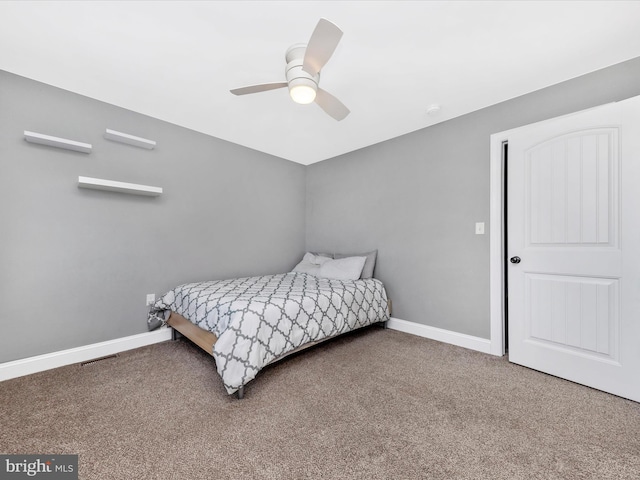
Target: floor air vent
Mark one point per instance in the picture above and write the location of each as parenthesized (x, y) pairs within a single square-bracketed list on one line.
[(96, 360)]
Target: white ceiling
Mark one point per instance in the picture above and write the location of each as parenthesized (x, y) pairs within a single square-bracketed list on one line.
[(176, 61)]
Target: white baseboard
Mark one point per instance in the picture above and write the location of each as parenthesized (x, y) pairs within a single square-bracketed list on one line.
[(48, 361), (447, 336), (40, 363)]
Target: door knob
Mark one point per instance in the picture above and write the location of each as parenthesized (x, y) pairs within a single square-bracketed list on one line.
[(515, 259)]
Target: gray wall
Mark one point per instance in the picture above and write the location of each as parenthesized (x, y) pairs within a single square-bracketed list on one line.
[(76, 265), (417, 197)]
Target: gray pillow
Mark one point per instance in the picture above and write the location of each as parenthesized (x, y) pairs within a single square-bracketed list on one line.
[(369, 263)]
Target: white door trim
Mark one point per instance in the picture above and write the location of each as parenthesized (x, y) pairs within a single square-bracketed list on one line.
[(496, 244)]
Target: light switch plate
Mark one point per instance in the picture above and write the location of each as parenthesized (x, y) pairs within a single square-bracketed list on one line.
[(151, 299), (480, 228)]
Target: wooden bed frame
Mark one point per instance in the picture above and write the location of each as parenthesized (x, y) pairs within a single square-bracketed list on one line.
[(205, 339)]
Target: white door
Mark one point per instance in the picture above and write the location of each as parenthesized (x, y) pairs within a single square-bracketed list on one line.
[(574, 222)]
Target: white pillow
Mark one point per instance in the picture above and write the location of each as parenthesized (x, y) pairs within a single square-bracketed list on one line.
[(311, 264), (348, 268)]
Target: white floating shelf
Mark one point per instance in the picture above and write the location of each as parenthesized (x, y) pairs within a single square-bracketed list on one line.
[(129, 139), (33, 137), (122, 187)]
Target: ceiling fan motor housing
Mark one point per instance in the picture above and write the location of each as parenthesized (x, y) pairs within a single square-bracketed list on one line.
[(296, 77)]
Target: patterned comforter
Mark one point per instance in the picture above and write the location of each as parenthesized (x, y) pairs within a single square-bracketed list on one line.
[(258, 319)]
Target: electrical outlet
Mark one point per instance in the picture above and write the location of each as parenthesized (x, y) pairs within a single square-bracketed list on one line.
[(480, 228), (151, 299)]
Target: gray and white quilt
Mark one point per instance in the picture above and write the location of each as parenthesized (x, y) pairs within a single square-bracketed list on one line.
[(259, 319)]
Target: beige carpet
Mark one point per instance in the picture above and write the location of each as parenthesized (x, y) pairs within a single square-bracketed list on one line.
[(376, 404)]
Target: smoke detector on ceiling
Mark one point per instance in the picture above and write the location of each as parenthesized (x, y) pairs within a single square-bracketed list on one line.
[(433, 110)]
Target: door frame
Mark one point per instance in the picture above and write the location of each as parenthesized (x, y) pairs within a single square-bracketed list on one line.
[(497, 248)]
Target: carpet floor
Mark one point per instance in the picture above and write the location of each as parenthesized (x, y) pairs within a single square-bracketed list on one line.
[(373, 404)]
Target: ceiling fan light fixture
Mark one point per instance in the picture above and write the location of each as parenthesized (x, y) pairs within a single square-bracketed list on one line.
[(302, 94), (302, 90)]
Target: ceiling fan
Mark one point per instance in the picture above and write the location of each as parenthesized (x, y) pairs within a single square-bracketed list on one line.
[(304, 62)]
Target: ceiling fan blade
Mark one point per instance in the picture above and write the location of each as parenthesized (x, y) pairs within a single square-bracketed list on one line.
[(263, 87), (331, 105), (321, 46)]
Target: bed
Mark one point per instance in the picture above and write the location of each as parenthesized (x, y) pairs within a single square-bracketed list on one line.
[(248, 323)]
